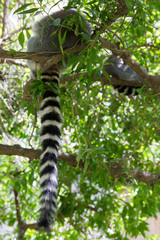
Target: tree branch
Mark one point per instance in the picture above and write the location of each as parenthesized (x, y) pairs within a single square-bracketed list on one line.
[(19, 151), (112, 81), (10, 61), (9, 35), (45, 59), (116, 170), (121, 11), (22, 226), (5, 18), (21, 229), (17, 207), (50, 58)]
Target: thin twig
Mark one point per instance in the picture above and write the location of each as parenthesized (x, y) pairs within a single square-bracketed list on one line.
[(21, 230), (34, 126), (11, 61), (9, 35)]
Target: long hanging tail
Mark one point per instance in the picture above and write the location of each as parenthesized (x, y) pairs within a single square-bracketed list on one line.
[(51, 122)]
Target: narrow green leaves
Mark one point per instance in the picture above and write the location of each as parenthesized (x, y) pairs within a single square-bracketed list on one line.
[(23, 7)]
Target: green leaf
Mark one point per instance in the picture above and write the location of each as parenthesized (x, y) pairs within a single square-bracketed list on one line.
[(60, 37), (22, 7), (37, 13), (107, 75), (21, 38), (12, 51), (28, 34), (57, 22), (89, 67), (11, 221), (32, 10), (82, 23), (64, 37), (129, 4)]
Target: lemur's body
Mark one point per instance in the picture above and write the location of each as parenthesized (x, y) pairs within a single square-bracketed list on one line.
[(46, 40)]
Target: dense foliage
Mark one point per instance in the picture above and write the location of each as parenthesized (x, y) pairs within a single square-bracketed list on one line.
[(100, 126)]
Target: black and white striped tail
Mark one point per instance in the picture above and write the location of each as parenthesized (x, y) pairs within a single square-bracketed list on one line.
[(127, 90), (51, 122)]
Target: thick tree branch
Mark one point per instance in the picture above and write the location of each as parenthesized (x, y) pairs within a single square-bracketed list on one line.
[(116, 170), (53, 57), (46, 59), (19, 151)]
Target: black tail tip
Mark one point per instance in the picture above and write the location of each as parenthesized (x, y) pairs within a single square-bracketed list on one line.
[(44, 225)]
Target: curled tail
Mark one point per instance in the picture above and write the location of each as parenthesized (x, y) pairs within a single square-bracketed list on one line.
[(51, 122)]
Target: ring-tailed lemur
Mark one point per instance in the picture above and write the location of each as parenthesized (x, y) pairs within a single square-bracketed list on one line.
[(123, 72), (46, 39)]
